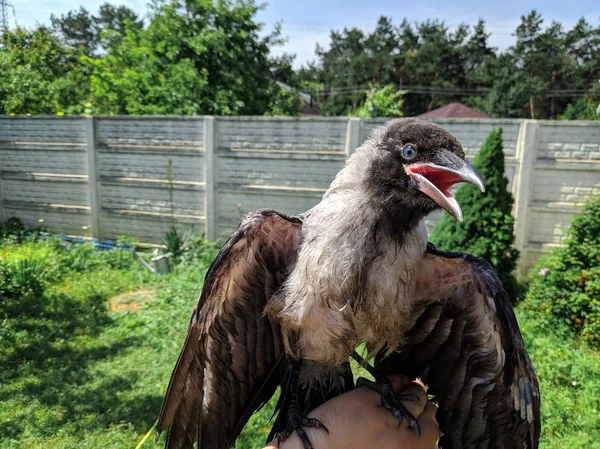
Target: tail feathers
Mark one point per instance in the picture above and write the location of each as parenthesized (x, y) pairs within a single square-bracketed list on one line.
[(182, 406)]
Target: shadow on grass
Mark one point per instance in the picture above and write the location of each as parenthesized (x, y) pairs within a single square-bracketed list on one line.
[(48, 352)]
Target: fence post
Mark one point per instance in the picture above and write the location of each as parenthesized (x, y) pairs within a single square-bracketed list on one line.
[(90, 131), (210, 177), (353, 129), (526, 156)]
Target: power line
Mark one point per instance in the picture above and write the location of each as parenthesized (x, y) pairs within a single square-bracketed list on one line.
[(451, 91), (4, 5)]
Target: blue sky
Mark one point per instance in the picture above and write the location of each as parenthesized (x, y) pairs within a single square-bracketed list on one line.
[(308, 22)]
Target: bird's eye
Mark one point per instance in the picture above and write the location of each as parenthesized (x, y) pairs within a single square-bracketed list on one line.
[(409, 152)]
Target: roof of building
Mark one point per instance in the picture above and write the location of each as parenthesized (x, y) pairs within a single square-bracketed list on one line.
[(454, 110)]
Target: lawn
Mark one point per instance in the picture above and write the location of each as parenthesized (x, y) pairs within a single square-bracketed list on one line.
[(88, 339)]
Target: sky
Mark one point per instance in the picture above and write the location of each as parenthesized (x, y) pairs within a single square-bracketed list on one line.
[(308, 22)]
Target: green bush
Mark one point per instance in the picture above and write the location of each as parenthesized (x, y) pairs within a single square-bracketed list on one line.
[(564, 290), (382, 102), (487, 228)]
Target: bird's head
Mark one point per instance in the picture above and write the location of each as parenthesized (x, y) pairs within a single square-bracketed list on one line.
[(413, 163)]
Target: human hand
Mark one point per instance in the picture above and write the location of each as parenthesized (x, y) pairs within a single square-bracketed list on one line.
[(356, 420)]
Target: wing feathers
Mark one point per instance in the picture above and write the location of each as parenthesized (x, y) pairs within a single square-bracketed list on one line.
[(228, 365), (467, 346)]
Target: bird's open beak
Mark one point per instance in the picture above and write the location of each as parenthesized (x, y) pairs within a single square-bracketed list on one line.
[(435, 180)]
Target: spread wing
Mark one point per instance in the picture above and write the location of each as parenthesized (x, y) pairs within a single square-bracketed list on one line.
[(231, 361), (466, 345)]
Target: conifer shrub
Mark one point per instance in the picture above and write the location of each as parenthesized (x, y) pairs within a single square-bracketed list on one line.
[(487, 228)]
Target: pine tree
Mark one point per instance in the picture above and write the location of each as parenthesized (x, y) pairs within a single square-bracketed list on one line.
[(487, 228)]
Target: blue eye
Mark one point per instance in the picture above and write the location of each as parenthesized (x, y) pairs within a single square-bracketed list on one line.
[(409, 152)]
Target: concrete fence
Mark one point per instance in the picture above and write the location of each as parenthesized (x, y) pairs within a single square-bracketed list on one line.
[(108, 176)]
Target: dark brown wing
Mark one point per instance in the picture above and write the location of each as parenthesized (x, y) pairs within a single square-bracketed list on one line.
[(230, 362), (467, 346)]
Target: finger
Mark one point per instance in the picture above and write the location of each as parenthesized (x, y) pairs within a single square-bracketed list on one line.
[(271, 445), (414, 398), (430, 429)]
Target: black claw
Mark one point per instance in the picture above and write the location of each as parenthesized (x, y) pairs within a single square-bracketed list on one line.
[(391, 400), (282, 436), (313, 422), (304, 438), (296, 422), (407, 397), (416, 426), (296, 419)]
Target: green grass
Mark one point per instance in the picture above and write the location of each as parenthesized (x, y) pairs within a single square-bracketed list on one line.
[(76, 374), (569, 375)]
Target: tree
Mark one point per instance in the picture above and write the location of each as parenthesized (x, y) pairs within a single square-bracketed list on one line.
[(111, 23), (132, 79), (284, 102), (282, 70), (345, 71), (39, 75), (87, 33), (487, 229), (382, 102), (583, 46), (200, 57), (541, 60), (77, 30), (510, 90), (478, 54), (582, 109), (443, 65), (207, 57), (421, 54), (381, 47)]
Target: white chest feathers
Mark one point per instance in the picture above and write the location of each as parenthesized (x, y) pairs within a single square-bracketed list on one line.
[(351, 284)]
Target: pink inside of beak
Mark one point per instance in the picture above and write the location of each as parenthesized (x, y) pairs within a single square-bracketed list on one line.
[(441, 179)]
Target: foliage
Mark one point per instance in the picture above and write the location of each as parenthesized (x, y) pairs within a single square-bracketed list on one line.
[(581, 109), (76, 29), (13, 225), (199, 57), (133, 79), (487, 228), (207, 57), (216, 63), (382, 102), (87, 33), (44, 70), (175, 242), (39, 75), (284, 102), (197, 248), (460, 65), (564, 291)]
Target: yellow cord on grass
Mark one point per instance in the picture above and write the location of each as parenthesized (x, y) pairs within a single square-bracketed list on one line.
[(143, 440)]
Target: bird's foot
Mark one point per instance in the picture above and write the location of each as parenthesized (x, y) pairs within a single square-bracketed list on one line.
[(390, 400), (298, 421)]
